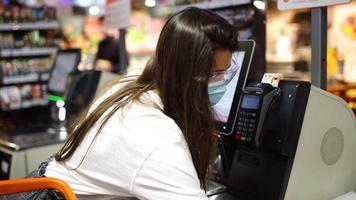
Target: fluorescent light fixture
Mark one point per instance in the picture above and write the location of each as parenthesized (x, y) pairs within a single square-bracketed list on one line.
[(259, 4), (82, 3), (62, 114), (150, 3)]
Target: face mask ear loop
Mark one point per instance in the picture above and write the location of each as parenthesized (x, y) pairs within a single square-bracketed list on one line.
[(234, 69)]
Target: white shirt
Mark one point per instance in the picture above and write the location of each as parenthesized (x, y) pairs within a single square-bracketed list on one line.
[(140, 152)]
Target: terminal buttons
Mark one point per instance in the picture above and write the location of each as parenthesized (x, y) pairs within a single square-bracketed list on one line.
[(246, 126)]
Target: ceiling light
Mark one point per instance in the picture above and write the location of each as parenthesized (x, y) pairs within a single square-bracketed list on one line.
[(259, 4), (94, 10), (150, 3)]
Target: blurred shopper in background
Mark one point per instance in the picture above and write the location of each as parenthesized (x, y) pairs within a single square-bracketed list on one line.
[(112, 55)]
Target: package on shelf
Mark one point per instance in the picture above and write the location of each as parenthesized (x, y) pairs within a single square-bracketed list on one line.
[(25, 70), (33, 38), (23, 96), (10, 98), (20, 14)]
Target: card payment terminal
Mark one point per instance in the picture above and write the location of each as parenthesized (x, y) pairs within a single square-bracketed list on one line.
[(255, 106)]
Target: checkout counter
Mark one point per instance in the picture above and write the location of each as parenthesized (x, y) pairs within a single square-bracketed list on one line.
[(291, 142), (22, 152), (304, 148), (302, 145)]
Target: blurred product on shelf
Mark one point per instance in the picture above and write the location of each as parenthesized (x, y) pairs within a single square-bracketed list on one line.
[(25, 70), (29, 39), (21, 14), (10, 98), (23, 96), (6, 124), (32, 38)]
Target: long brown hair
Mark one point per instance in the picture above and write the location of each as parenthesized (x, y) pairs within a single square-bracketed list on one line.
[(179, 71)]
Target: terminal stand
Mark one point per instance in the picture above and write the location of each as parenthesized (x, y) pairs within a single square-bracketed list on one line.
[(306, 150)]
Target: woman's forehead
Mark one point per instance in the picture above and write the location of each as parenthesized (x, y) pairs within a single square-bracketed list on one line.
[(222, 59)]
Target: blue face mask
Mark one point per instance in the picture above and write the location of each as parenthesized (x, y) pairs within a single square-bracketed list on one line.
[(216, 91), (219, 80)]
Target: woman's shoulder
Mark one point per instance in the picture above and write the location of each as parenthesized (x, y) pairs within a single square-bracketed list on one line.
[(112, 87), (147, 118), (140, 118)]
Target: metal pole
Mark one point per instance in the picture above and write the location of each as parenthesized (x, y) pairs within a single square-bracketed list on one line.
[(319, 45)]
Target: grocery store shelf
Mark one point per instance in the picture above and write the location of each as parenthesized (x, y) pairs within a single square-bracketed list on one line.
[(44, 76), (29, 26), (27, 51), (25, 104), (28, 78), (20, 79), (212, 4), (34, 102)]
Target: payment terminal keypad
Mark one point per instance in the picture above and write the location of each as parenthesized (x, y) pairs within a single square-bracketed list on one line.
[(246, 126)]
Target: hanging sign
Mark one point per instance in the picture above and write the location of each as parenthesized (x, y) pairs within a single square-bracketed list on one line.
[(117, 14), (295, 4)]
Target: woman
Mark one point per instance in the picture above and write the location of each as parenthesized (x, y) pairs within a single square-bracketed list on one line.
[(151, 137)]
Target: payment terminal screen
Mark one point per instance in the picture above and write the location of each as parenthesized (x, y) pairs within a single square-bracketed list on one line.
[(65, 63), (223, 107)]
